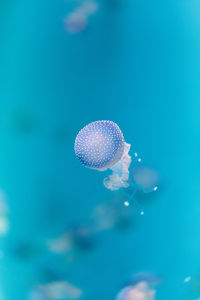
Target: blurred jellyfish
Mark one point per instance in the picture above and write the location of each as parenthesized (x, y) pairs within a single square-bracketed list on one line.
[(112, 215), (146, 177), (141, 291), (61, 244), (100, 145), (77, 237), (147, 181), (77, 20), (56, 291), (82, 236)]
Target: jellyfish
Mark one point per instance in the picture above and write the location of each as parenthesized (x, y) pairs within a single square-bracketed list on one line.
[(77, 20), (112, 215), (79, 236), (60, 290), (146, 177), (100, 145), (141, 291)]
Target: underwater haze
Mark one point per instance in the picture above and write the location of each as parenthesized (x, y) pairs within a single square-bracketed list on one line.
[(64, 64)]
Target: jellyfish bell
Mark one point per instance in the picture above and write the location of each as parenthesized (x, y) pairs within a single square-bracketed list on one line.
[(100, 145)]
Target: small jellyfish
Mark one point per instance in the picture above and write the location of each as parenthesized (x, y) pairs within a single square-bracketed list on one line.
[(60, 290), (141, 291), (100, 145), (146, 177), (77, 20), (78, 237), (61, 244), (112, 215), (147, 181)]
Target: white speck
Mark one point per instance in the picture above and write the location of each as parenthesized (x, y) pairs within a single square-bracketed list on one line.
[(142, 213), (187, 279), (135, 154), (139, 160), (155, 188), (126, 203)]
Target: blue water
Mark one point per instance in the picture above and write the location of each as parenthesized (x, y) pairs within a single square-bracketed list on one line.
[(137, 64)]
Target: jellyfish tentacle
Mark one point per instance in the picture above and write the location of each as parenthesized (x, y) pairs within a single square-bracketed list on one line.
[(120, 171), (130, 196)]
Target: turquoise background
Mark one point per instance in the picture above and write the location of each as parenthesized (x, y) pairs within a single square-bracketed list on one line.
[(138, 64)]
